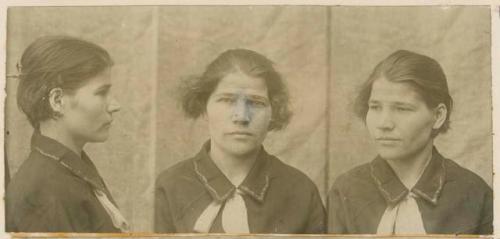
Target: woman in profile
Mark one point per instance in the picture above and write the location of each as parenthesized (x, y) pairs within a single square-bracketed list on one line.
[(233, 185), (64, 90), (409, 188)]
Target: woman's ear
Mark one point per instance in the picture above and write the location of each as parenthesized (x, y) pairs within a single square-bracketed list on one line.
[(440, 113), (56, 101)]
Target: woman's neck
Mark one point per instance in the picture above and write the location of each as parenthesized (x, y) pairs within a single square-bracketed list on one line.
[(235, 168), (53, 130), (411, 168)]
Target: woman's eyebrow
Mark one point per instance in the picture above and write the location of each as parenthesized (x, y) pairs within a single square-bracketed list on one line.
[(397, 103), (225, 94), (258, 97), (247, 96), (104, 87), (400, 103)]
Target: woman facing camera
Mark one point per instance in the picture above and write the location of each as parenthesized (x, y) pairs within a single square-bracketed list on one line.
[(233, 185), (64, 90), (409, 188)]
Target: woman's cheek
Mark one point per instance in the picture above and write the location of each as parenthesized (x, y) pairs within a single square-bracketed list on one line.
[(94, 109)]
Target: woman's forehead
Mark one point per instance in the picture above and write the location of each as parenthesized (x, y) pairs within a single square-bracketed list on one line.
[(240, 83), (386, 90), (101, 79)]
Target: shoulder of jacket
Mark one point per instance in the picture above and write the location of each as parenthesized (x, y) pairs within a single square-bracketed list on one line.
[(465, 177), (358, 174), (289, 173), (170, 175)]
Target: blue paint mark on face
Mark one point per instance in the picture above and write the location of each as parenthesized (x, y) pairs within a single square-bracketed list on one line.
[(239, 114), (242, 108)]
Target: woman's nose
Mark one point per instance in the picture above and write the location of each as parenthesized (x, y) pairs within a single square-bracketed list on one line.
[(113, 106), (386, 121), (241, 112)]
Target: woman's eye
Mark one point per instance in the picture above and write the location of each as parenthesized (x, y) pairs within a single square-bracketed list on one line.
[(102, 92), (374, 107), (258, 103), (403, 109), (226, 100)]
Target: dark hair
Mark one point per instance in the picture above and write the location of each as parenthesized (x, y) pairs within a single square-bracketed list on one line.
[(196, 91), (56, 61), (422, 72)]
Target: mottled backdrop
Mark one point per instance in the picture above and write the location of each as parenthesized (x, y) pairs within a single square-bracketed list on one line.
[(325, 53)]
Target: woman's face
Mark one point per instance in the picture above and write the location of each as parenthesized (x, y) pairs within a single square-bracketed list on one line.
[(238, 114), (398, 120), (87, 113)]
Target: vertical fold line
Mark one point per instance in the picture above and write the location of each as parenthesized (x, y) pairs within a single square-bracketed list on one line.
[(154, 106), (327, 105)]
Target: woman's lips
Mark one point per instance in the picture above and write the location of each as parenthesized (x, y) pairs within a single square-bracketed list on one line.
[(387, 140), (240, 133), (107, 124)]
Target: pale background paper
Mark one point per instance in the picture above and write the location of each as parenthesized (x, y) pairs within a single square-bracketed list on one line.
[(324, 53)]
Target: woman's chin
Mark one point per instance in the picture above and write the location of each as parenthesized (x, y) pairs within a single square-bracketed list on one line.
[(391, 155), (98, 138), (242, 148)]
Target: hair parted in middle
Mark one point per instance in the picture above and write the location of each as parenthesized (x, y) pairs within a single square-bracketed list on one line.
[(195, 91)]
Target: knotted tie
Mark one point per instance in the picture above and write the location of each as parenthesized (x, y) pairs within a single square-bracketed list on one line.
[(402, 218), (234, 215)]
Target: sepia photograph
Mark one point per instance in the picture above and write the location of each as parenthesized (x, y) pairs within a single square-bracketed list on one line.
[(165, 120)]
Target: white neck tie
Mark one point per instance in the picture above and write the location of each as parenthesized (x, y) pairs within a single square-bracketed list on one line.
[(403, 218), (234, 215), (113, 212)]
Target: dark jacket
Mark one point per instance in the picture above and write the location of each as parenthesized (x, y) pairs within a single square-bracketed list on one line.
[(279, 198), (451, 199), (53, 192)]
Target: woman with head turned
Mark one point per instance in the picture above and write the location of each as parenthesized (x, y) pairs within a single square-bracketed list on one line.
[(232, 185), (65, 91), (410, 187)]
